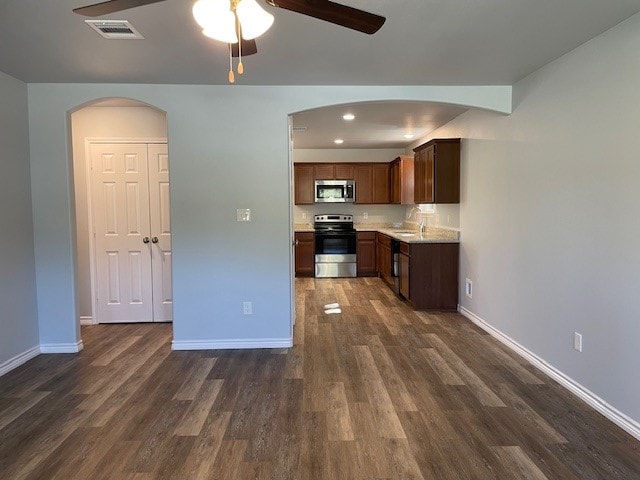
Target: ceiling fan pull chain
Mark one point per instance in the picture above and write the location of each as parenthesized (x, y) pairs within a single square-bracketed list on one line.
[(239, 33), (232, 77)]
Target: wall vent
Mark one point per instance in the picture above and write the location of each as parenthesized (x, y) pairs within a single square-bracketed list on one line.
[(114, 29), (299, 129)]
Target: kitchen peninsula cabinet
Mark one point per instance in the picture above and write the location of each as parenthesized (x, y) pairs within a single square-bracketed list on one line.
[(304, 254), (366, 254), (403, 270), (429, 275), (402, 180), (437, 171)]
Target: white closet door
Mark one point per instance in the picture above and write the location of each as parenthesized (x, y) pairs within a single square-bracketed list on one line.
[(160, 232), (120, 204)]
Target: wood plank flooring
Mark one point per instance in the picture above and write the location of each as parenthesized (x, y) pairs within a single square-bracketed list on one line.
[(376, 392)]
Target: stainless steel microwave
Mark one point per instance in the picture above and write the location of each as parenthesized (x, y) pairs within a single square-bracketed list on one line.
[(335, 191)]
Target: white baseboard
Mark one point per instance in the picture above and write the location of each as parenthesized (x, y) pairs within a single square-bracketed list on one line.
[(231, 344), (61, 347), (15, 362), (625, 422), (86, 320)]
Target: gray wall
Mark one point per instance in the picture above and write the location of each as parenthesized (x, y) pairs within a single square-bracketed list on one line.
[(102, 122), (229, 149), (18, 319), (549, 214)]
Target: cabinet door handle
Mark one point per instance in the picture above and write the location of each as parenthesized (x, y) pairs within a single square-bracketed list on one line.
[(145, 240), (296, 242), (154, 239)]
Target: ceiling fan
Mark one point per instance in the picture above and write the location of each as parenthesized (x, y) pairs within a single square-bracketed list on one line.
[(325, 10)]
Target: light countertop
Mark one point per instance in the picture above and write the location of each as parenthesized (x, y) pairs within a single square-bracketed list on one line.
[(431, 235)]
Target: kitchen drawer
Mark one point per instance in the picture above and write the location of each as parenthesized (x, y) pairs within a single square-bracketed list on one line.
[(404, 248), (371, 236), (305, 236)]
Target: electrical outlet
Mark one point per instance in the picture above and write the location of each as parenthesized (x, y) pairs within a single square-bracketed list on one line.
[(243, 215), (304, 216), (247, 308), (577, 341), (468, 288), (365, 215)]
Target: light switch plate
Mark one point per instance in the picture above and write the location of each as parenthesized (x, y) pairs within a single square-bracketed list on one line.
[(243, 214)]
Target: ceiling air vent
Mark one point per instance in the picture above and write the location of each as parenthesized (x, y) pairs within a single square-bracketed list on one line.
[(114, 29)]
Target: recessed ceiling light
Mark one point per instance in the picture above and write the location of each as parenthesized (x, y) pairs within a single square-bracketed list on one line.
[(408, 135), (338, 141), (348, 116)]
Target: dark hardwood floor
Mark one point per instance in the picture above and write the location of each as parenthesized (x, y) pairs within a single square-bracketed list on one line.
[(376, 392)]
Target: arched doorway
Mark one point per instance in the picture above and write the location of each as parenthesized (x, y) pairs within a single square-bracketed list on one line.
[(121, 194)]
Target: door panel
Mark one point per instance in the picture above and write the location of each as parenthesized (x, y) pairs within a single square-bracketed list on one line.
[(120, 201), (160, 220)]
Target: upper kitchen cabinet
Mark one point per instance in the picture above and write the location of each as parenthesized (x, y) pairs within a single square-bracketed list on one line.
[(303, 184), (437, 171), (333, 171), (372, 183), (402, 180)]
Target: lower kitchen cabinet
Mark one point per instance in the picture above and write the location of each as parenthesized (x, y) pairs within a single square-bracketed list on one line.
[(305, 254), (384, 258), (430, 272), (366, 254)]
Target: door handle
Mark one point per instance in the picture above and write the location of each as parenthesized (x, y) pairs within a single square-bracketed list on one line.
[(296, 242), (154, 239), (145, 240)]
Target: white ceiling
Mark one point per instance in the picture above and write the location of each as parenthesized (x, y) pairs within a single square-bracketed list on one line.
[(377, 124), (424, 42)]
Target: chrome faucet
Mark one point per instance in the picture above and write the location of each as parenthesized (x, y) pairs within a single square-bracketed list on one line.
[(420, 217)]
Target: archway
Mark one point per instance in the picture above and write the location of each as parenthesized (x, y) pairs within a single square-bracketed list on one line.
[(119, 123)]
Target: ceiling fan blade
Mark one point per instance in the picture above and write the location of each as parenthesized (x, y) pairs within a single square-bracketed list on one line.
[(112, 6), (328, 11), (248, 48)]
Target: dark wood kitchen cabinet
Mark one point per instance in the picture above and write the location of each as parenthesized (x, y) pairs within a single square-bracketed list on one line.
[(324, 171), (305, 175), (303, 184), (304, 254), (366, 254), (437, 171), (429, 275), (402, 180), (380, 177), (333, 171), (343, 171), (403, 270), (384, 257), (372, 183)]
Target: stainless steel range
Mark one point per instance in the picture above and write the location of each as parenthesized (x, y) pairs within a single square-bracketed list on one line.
[(335, 246)]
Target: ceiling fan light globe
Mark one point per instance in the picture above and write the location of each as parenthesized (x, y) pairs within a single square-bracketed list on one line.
[(216, 19), (253, 19)]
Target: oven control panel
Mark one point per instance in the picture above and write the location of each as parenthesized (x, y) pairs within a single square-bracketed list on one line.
[(333, 218)]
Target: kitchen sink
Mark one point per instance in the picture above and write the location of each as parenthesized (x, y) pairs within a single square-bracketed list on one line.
[(405, 233)]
